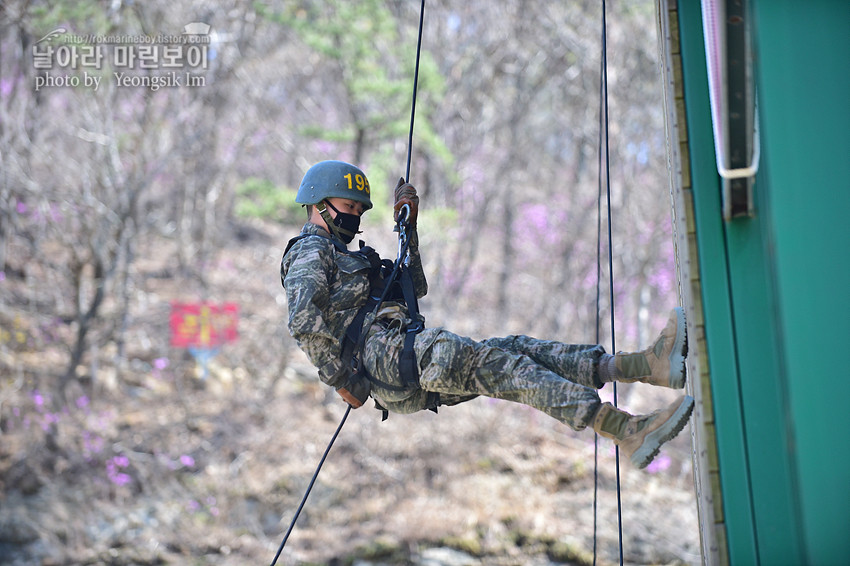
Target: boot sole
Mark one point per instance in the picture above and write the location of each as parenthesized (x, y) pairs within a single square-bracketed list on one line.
[(678, 368), (672, 426)]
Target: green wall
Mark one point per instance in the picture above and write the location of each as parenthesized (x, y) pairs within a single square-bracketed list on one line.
[(777, 288), (804, 81)]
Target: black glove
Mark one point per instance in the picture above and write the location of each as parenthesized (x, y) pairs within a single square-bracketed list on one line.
[(351, 386), (405, 193), (355, 391)]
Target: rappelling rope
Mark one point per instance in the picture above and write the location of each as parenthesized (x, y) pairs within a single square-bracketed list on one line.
[(310, 487), (604, 160), (415, 88)]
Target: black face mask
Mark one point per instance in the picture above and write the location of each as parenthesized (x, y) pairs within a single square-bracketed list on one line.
[(346, 224)]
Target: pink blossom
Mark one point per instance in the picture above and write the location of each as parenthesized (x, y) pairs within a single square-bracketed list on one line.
[(112, 467), (659, 464), (120, 478)]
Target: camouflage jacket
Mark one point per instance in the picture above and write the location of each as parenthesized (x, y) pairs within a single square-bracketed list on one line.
[(324, 289)]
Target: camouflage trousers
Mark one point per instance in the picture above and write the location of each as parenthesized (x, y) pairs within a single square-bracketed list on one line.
[(556, 378)]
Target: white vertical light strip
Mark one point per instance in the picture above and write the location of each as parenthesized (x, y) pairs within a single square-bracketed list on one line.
[(714, 28)]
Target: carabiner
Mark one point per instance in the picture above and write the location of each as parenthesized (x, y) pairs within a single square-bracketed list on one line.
[(401, 227), (403, 214)]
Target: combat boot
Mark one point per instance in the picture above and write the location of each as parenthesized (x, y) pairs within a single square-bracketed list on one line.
[(640, 437), (663, 363)]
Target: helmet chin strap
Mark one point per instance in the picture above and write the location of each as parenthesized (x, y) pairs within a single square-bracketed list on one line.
[(326, 216)]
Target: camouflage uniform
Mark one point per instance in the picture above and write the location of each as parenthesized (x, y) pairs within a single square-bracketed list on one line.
[(325, 288)]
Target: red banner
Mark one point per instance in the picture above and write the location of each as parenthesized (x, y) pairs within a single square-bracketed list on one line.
[(203, 325)]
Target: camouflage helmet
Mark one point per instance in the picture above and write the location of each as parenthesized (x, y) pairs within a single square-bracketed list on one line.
[(329, 179)]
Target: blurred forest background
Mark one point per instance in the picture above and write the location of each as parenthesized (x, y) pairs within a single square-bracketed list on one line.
[(117, 447)]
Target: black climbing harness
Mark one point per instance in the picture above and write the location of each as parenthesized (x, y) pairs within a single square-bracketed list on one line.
[(397, 286), (388, 281)]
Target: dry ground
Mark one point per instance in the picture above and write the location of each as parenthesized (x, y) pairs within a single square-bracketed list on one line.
[(148, 464)]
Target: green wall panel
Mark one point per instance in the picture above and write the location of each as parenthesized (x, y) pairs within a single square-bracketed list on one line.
[(728, 411), (802, 69), (762, 391), (776, 288)]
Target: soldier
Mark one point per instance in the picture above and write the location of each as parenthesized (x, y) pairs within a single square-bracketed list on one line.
[(327, 287)]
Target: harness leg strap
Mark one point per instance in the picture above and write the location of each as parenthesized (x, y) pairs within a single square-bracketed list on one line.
[(407, 360)]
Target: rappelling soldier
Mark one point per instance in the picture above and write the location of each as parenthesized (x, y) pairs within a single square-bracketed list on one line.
[(356, 318)]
